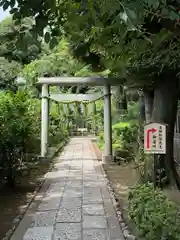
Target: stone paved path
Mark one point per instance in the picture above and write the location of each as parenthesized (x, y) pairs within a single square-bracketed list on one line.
[(74, 203)]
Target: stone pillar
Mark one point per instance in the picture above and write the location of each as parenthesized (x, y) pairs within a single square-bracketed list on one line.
[(107, 125), (44, 120)]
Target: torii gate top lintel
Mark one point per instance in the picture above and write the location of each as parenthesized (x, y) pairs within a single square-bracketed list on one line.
[(90, 81)]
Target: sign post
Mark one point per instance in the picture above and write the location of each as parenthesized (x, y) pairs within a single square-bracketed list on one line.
[(155, 142)]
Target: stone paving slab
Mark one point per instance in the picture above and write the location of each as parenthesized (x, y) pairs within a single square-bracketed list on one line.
[(49, 203), (91, 222), (93, 209), (44, 219), (72, 192), (76, 204), (71, 202), (69, 215), (67, 231), (39, 233), (96, 234)]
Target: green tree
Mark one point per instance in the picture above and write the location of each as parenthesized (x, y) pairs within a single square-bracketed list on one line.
[(8, 73), (17, 42), (59, 63)]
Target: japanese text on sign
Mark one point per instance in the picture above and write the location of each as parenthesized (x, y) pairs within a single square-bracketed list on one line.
[(155, 138)]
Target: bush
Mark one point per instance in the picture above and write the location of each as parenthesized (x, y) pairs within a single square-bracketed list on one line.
[(20, 117), (125, 133), (154, 216), (19, 127), (124, 136)]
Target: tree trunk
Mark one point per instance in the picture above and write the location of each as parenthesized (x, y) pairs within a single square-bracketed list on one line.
[(148, 100), (140, 150), (165, 111), (141, 109)]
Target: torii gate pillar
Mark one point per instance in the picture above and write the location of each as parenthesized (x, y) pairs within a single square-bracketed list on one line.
[(44, 120), (107, 125)]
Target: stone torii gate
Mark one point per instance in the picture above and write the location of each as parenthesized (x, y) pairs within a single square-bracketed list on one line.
[(46, 82)]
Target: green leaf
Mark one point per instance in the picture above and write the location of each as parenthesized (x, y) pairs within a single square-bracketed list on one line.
[(5, 6), (12, 3), (47, 37), (53, 43), (123, 16), (13, 10), (131, 14), (153, 3), (173, 15), (165, 11)]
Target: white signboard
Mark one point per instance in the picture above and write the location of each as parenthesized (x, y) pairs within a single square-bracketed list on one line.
[(155, 138)]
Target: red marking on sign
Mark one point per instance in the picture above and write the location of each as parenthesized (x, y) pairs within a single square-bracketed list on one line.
[(152, 130)]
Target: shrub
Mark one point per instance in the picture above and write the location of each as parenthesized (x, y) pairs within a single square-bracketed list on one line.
[(125, 133), (20, 117), (154, 216), (124, 136), (18, 128)]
